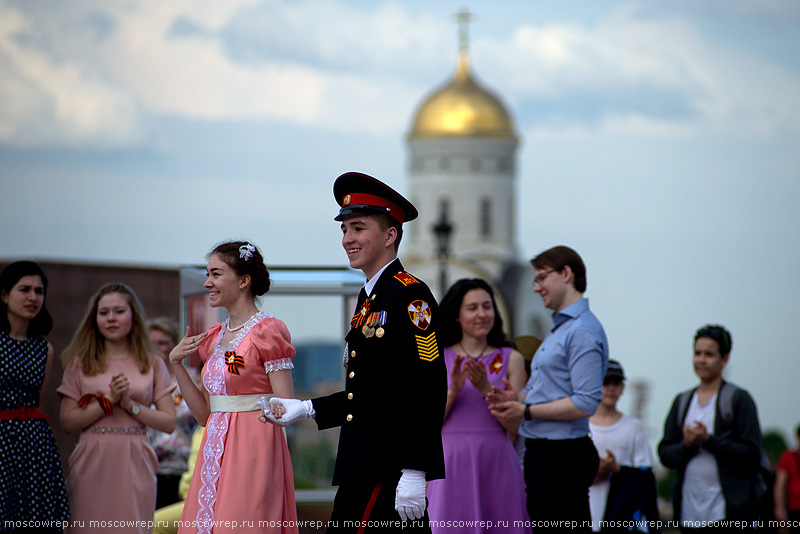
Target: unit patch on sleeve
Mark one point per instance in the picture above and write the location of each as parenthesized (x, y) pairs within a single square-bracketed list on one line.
[(406, 279), (420, 314), (427, 347)]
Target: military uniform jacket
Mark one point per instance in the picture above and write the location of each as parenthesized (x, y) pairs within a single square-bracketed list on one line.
[(392, 408)]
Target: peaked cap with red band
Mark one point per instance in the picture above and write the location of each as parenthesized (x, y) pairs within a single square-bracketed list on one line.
[(359, 193)]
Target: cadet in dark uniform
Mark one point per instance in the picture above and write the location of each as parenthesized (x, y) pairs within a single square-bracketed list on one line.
[(392, 408)]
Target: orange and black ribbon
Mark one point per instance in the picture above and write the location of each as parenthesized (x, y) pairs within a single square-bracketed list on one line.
[(497, 363), (104, 403), (361, 315), (233, 361)]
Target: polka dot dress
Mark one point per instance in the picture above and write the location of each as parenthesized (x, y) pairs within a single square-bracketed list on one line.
[(31, 481)]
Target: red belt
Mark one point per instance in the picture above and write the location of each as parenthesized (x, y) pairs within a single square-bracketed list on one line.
[(22, 413)]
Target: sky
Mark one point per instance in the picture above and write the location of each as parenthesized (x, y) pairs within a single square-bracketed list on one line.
[(658, 139)]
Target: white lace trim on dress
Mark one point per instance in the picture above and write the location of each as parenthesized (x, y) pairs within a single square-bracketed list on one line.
[(278, 365), (217, 425)]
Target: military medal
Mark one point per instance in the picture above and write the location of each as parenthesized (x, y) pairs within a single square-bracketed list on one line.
[(380, 320), (367, 331), (369, 326)]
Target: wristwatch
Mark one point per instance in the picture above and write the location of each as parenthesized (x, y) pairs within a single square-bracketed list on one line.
[(527, 412), (135, 409)]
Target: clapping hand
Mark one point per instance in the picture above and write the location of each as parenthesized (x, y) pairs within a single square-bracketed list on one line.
[(505, 407), (457, 376), (118, 387), (696, 434), (476, 372), (496, 394)]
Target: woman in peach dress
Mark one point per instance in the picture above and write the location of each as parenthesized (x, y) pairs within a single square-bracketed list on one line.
[(114, 387), (243, 476)]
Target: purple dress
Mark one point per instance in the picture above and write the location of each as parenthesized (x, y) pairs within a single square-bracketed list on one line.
[(483, 476)]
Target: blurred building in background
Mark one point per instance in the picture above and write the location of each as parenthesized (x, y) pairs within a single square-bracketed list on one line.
[(462, 175)]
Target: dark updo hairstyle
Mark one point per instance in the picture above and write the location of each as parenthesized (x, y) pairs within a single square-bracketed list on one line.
[(719, 334), (12, 273), (234, 254), (450, 330)]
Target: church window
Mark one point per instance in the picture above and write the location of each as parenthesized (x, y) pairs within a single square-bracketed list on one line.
[(486, 218), (444, 208)]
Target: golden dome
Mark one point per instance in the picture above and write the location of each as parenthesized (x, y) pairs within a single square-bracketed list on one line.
[(462, 108)]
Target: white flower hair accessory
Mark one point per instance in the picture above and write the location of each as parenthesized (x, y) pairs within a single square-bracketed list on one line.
[(246, 251)]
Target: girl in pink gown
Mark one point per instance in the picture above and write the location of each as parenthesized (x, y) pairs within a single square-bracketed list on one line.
[(484, 489), (114, 386), (243, 476)]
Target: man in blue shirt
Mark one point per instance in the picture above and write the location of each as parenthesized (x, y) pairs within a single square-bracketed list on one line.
[(563, 391)]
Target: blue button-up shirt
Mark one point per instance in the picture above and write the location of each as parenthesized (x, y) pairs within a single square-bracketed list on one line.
[(571, 362)]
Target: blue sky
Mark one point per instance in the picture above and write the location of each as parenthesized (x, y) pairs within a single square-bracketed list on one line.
[(660, 140)]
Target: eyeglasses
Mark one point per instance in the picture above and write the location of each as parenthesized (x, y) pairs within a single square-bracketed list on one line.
[(539, 278)]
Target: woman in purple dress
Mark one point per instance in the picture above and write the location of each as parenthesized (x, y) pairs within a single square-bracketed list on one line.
[(483, 477)]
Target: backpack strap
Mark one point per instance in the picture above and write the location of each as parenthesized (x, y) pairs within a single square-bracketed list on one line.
[(725, 401), (683, 405)]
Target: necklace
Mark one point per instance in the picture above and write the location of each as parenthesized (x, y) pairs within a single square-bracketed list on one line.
[(470, 355), (228, 326)]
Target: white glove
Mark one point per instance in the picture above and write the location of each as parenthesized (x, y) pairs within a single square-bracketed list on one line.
[(294, 410), (409, 501)]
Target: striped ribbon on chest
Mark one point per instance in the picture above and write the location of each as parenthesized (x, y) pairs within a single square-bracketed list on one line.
[(360, 315)]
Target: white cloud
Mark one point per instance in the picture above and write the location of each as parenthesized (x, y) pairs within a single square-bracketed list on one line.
[(654, 77), (780, 10), (345, 68), (47, 102)]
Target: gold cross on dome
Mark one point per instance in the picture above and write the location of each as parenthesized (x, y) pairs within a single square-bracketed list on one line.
[(463, 18)]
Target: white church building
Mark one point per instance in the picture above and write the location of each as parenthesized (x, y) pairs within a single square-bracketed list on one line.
[(462, 171)]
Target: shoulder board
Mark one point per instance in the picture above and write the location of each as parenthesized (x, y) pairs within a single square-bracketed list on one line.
[(406, 279)]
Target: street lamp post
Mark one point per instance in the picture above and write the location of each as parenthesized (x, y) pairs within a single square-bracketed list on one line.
[(443, 230)]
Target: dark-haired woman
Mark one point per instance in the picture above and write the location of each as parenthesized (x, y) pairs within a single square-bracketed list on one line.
[(31, 482), (114, 387), (243, 473), (484, 480)]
